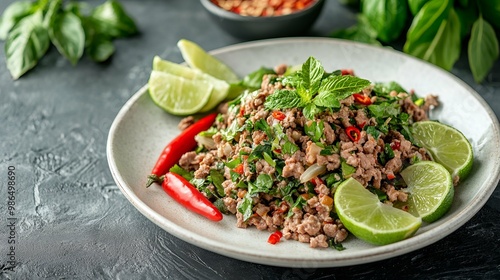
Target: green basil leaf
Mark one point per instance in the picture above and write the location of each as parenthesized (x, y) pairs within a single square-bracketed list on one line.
[(425, 25), (52, 11), (111, 19), (384, 110), (483, 49), (100, 49), (289, 148), (444, 49), (312, 73), (388, 17), (217, 179), (416, 5), (254, 79), (12, 15), (181, 171), (361, 32), (314, 130), (263, 183), (67, 34), (245, 207), (27, 42), (467, 16), (384, 89), (491, 11)]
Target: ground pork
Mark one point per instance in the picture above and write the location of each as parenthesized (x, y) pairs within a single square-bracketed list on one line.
[(302, 211)]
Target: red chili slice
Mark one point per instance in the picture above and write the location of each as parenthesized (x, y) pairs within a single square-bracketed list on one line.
[(239, 169), (353, 133), (362, 99), (275, 237), (395, 145), (347, 72), (279, 115)]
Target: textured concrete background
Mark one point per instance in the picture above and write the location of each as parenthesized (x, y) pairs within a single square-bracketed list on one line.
[(74, 223)]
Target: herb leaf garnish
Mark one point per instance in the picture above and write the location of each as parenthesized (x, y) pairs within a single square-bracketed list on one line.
[(314, 90)]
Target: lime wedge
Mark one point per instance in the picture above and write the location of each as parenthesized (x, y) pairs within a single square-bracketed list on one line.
[(367, 218), (178, 95), (197, 58), (431, 190), (220, 87), (446, 146)]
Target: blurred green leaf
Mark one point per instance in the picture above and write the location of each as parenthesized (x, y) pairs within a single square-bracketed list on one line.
[(483, 49)]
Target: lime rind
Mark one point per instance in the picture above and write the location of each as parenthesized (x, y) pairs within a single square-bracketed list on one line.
[(178, 95), (198, 58), (430, 189), (220, 87), (446, 145), (370, 220)]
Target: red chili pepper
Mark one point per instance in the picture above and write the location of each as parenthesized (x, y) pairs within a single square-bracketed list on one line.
[(362, 99), (279, 115), (353, 133), (275, 237), (188, 196), (180, 145), (391, 176), (396, 145), (239, 169), (317, 181), (347, 72)]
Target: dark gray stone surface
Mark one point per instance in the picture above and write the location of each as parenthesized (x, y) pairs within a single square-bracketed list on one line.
[(74, 223)]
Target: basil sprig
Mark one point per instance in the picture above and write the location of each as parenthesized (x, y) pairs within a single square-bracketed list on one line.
[(314, 90), (435, 30), (29, 27)]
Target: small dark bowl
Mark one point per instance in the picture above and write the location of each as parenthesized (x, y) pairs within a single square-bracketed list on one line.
[(248, 27)]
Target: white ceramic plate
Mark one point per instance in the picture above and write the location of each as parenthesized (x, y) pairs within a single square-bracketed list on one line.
[(141, 130)]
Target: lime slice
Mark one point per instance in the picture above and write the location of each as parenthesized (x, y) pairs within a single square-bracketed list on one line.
[(431, 190), (178, 95), (446, 146), (220, 87), (197, 58), (367, 218)]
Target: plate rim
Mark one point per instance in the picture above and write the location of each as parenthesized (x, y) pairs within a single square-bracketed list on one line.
[(374, 254)]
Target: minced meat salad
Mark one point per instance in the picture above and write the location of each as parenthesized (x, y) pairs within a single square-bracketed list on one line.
[(274, 156)]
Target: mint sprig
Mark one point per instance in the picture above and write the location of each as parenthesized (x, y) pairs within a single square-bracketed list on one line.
[(315, 90)]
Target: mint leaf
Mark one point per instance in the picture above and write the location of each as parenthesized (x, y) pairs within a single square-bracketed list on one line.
[(27, 42), (343, 84), (336, 88), (329, 99), (311, 110), (312, 74), (283, 99)]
